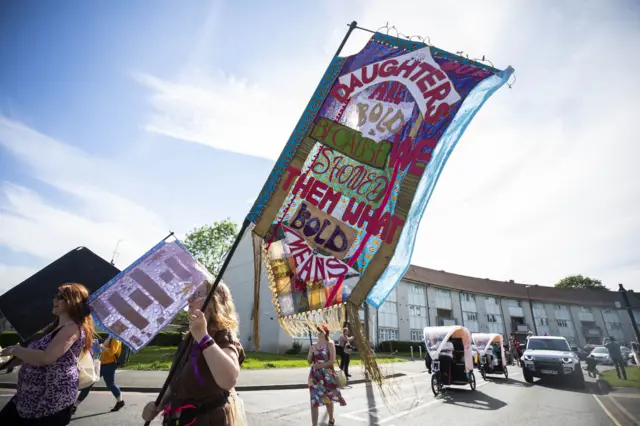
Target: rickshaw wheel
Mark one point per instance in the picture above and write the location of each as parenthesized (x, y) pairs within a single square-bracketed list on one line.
[(472, 381), (483, 373), (506, 372), (435, 386)]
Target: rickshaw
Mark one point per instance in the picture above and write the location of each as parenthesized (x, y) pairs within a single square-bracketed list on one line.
[(452, 361), (488, 364)]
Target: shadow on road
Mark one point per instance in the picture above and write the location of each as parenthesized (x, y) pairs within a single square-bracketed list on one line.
[(88, 416), (476, 400), (508, 382), (590, 387)]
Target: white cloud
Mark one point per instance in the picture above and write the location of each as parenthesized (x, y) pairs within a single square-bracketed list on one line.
[(542, 184), (91, 215)]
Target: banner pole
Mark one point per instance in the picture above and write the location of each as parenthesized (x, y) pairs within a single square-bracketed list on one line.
[(352, 26), (182, 350)]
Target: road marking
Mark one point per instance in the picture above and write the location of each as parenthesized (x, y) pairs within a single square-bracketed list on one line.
[(623, 410), (373, 411), (607, 412)]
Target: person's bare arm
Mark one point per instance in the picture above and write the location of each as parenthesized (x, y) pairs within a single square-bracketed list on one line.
[(223, 364), (60, 344)]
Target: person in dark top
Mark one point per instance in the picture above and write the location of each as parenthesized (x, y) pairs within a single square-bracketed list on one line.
[(592, 362), (427, 360), (616, 356)]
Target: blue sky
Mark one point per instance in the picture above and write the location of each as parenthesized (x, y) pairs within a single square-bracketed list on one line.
[(123, 120)]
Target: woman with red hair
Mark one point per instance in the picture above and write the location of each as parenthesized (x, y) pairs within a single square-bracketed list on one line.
[(322, 380), (48, 379)]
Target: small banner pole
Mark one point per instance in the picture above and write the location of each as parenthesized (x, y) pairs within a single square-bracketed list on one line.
[(182, 349)]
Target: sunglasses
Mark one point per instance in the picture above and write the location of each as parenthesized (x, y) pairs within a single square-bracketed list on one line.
[(59, 296), (196, 296)]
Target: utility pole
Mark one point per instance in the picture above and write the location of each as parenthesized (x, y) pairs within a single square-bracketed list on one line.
[(535, 326), (627, 306)]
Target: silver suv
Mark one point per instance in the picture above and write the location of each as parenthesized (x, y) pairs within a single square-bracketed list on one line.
[(551, 356)]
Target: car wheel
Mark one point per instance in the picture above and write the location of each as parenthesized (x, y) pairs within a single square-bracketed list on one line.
[(435, 385), (528, 377)]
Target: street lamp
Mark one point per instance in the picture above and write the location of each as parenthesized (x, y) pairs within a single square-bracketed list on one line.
[(627, 306), (535, 326)]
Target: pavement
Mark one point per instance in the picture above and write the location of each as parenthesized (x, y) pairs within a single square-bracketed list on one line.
[(409, 401), (250, 380)]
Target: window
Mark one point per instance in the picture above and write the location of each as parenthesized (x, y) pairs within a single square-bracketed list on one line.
[(514, 303), (492, 305), (585, 309), (417, 317), (389, 308), (416, 335), (563, 323), (494, 318), (417, 289), (387, 334), (444, 293), (468, 302), (542, 321), (547, 344), (417, 311), (417, 295), (614, 326), (388, 314), (560, 308), (471, 316)]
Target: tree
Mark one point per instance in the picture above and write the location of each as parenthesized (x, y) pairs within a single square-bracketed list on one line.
[(210, 243), (578, 281), (181, 318)]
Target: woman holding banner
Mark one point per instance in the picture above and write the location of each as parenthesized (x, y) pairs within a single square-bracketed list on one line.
[(202, 389), (48, 379)]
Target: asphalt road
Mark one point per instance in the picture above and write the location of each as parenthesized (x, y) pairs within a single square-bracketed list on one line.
[(409, 402)]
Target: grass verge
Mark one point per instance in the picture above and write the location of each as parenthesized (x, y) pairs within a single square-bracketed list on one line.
[(160, 358), (633, 378)]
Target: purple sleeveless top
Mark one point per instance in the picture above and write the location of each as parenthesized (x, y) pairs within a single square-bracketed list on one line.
[(46, 390)]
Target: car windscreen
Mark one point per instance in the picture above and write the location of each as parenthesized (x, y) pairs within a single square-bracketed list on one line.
[(600, 350), (547, 345)]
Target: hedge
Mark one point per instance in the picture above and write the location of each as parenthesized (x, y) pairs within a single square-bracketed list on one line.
[(399, 345), (164, 338)]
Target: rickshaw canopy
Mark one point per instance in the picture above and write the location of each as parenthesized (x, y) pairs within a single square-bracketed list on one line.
[(436, 337), (483, 343)]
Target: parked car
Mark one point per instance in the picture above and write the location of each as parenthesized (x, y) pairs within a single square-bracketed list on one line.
[(582, 354), (588, 348), (625, 352), (601, 354)]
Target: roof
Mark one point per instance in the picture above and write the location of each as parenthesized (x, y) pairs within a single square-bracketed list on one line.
[(548, 337), (511, 289)]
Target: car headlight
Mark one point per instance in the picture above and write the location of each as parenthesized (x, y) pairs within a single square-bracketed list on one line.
[(567, 360), (527, 357)]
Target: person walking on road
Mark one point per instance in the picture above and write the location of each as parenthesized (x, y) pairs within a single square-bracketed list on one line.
[(110, 351), (344, 350), (322, 380), (616, 356)]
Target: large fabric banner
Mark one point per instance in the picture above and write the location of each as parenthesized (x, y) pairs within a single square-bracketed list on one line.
[(143, 299), (341, 208)]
